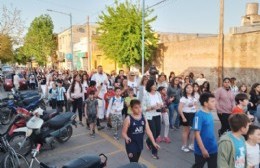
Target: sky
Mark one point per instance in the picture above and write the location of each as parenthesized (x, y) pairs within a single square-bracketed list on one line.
[(177, 16)]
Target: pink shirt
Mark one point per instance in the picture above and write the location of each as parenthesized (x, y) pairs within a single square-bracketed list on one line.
[(225, 100)]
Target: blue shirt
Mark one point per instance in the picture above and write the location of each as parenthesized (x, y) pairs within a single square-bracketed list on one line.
[(135, 132), (204, 123), (240, 151)]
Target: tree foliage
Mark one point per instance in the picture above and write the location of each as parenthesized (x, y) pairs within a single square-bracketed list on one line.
[(11, 24), (6, 50), (121, 33), (39, 42)]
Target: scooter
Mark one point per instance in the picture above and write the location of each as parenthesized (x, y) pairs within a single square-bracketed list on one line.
[(15, 138), (58, 128), (88, 161)]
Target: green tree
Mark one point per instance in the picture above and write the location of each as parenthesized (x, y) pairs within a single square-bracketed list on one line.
[(6, 50), (120, 29), (39, 42)]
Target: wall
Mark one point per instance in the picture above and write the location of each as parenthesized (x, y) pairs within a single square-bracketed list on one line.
[(200, 55)]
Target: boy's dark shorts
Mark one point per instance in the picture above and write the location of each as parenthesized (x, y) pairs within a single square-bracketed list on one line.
[(92, 118)]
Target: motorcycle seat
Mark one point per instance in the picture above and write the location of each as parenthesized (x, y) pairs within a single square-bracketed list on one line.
[(88, 161), (49, 114), (59, 120), (28, 101)]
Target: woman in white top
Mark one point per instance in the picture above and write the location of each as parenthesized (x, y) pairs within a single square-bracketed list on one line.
[(152, 104), (76, 95), (131, 82), (142, 88), (162, 81), (84, 82), (187, 110)]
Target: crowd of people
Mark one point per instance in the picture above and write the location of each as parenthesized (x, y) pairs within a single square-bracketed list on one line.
[(156, 104)]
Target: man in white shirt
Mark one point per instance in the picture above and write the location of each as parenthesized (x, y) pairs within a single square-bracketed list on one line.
[(101, 79), (16, 81)]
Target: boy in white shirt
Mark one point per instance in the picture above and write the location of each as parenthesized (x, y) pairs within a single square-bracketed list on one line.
[(252, 146), (114, 110)]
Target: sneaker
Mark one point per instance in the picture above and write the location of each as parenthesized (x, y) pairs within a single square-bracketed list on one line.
[(100, 127), (171, 127), (116, 137), (93, 135), (155, 156), (185, 149), (191, 147), (109, 125), (158, 139), (167, 140), (80, 123)]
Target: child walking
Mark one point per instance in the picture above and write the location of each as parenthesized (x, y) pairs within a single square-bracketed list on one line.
[(91, 107), (231, 146), (134, 127), (252, 146), (53, 93), (164, 115), (187, 110), (205, 144), (131, 96), (114, 110), (241, 105), (60, 96)]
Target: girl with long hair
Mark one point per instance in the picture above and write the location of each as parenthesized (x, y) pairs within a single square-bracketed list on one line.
[(76, 95), (187, 110)]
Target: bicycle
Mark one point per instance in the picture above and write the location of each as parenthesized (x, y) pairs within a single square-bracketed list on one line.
[(11, 158)]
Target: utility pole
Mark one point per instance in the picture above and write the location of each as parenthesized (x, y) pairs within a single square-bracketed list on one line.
[(143, 33), (89, 46), (71, 43), (221, 44)]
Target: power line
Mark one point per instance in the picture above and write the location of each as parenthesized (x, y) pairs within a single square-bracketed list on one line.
[(156, 4)]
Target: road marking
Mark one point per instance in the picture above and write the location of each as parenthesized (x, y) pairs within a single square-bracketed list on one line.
[(74, 148), (114, 153), (79, 135), (122, 148)]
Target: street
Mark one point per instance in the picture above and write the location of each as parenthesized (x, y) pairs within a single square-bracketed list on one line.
[(81, 144)]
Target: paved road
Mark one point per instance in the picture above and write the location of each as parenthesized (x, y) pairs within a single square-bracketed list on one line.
[(81, 143)]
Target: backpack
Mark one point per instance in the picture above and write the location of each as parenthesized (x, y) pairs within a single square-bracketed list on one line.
[(114, 99)]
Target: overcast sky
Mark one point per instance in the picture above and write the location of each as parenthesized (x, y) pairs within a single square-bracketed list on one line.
[(178, 16)]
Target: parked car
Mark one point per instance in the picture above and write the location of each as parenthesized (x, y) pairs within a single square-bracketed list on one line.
[(8, 82), (7, 69)]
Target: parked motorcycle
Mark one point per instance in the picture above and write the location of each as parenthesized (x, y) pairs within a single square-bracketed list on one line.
[(88, 161), (58, 128)]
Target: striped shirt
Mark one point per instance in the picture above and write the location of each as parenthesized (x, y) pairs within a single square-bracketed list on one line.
[(61, 91)]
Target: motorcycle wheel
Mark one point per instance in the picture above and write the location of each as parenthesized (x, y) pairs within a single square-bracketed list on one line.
[(66, 136), (5, 116), (16, 139)]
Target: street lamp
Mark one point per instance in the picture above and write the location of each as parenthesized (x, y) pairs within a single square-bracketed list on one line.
[(71, 42), (143, 26)]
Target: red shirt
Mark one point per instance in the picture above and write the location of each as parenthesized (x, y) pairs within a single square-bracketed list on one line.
[(90, 89), (237, 110), (108, 96)]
